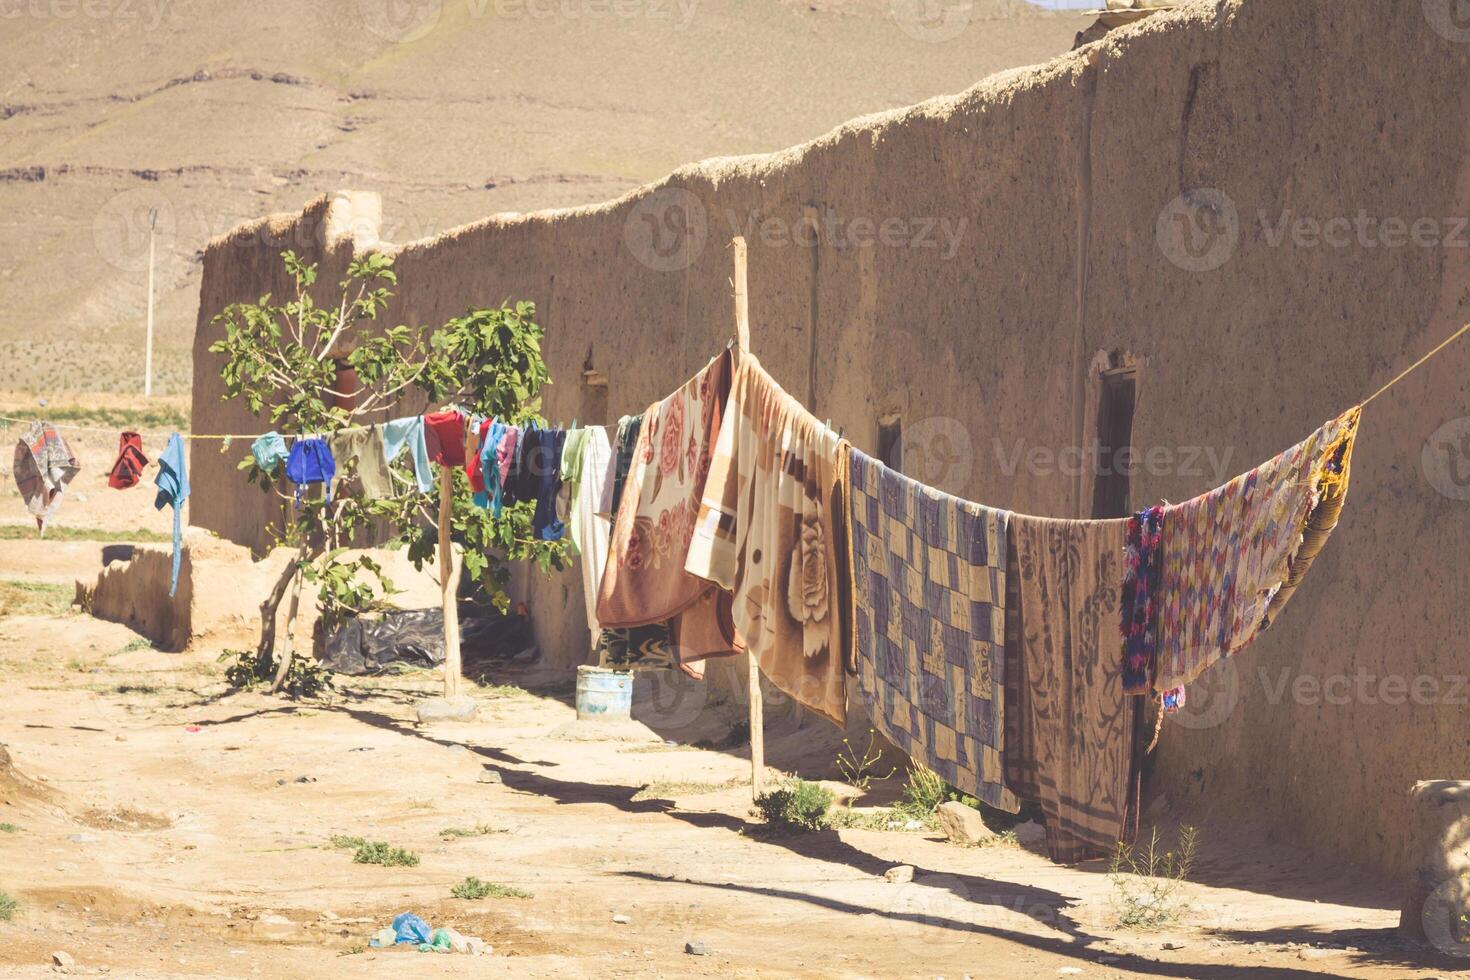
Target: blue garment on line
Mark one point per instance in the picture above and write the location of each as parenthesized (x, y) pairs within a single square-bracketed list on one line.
[(545, 463), (409, 432), (269, 451), (411, 928), (490, 466), (173, 488), (311, 461)]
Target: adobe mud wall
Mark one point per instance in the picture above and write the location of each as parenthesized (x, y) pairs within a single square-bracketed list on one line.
[(1032, 223)]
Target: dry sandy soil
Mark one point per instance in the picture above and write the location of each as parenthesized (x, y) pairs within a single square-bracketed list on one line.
[(157, 825), (214, 113)]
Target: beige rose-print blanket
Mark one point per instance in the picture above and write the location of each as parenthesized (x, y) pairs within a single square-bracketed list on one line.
[(772, 531)]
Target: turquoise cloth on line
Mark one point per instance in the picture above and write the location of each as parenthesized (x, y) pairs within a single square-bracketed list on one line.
[(490, 466), (173, 488), (269, 451), (409, 433)]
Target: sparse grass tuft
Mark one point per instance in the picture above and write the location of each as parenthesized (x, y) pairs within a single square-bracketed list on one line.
[(348, 843), (141, 643), (35, 599), (9, 828), (24, 532), (798, 805), (8, 907), (478, 830), (1148, 887), (499, 690), (385, 854), (354, 949), (473, 889), (669, 789)]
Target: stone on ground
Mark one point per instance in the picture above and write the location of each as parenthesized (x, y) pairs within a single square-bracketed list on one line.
[(902, 874), (962, 824), (462, 708)]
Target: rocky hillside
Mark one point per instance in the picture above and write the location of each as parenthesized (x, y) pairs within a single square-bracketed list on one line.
[(205, 114)]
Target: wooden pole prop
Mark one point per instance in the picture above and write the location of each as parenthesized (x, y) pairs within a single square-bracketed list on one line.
[(757, 707), (448, 584)]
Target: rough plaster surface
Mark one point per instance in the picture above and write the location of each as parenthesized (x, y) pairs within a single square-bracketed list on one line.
[(1058, 176)]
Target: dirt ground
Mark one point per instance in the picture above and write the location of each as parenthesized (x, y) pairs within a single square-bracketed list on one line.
[(152, 824)]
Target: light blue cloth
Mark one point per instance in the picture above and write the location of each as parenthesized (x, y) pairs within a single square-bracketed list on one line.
[(409, 432), (269, 451), (173, 488), (490, 466)]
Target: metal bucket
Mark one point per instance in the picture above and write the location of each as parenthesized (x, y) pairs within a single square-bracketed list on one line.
[(604, 694)]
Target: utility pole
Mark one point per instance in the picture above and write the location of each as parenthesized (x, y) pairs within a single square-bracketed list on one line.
[(148, 349)]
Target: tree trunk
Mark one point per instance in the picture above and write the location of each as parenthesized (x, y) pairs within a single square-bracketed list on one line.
[(284, 667), (268, 610), (449, 585)]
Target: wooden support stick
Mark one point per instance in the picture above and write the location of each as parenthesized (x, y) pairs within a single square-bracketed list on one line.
[(757, 707), (448, 584), (742, 298)]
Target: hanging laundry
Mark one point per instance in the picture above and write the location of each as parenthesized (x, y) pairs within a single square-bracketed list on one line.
[(1330, 486), (928, 575), (489, 468), (771, 528), (444, 437), (647, 647), (622, 461), (1230, 553), (173, 489), (1068, 727), (128, 468), (545, 464), (44, 465), (1142, 561), (645, 580), (636, 648), (310, 461), (408, 433), (359, 451), (478, 429), (505, 454), (524, 481), (269, 451), (571, 482), (589, 531)]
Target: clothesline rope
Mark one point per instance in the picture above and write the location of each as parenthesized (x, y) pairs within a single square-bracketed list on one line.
[(116, 429), (1417, 364)]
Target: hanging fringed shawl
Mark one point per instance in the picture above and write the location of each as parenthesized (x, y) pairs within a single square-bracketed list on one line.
[(44, 465), (1233, 556)]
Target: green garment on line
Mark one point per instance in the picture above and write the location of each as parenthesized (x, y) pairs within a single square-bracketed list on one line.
[(360, 449)]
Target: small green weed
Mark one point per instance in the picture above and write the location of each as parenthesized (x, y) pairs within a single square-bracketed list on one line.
[(1148, 887), (861, 770), (385, 854), (305, 679), (478, 830), (8, 907), (9, 828), (473, 889), (348, 843), (354, 949), (798, 805)]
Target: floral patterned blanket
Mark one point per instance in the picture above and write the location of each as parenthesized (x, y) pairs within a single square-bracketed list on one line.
[(772, 531), (644, 580)]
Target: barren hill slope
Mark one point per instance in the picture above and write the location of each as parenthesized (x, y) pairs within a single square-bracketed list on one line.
[(453, 109)]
